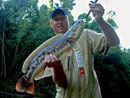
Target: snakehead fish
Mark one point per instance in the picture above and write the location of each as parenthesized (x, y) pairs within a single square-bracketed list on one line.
[(33, 67)]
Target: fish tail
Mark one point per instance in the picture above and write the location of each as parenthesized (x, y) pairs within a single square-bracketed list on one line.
[(25, 86)]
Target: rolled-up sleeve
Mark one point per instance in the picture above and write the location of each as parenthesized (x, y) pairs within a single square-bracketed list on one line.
[(98, 42)]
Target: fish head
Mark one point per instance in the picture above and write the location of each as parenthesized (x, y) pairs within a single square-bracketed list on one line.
[(76, 33)]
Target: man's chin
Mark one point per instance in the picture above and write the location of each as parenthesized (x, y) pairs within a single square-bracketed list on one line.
[(61, 31)]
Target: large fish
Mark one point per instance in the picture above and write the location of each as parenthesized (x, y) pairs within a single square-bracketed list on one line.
[(33, 67)]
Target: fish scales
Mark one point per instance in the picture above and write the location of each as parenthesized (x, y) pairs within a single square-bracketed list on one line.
[(33, 65), (41, 57)]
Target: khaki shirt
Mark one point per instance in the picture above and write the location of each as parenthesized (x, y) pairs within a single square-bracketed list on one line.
[(82, 81)]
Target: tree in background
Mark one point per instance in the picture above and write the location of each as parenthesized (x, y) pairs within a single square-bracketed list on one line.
[(17, 21), (51, 6), (2, 39), (113, 69), (24, 26)]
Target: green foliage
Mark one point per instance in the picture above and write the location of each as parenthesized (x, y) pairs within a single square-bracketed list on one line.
[(67, 4), (112, 23), (113, 72), (51, 7), (48, 88), (91, 24), (24, 26)]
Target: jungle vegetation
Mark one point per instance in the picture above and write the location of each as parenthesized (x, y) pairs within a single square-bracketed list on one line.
[(24, 26)]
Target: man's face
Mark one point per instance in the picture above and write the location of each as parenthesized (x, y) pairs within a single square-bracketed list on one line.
[(59, 23)]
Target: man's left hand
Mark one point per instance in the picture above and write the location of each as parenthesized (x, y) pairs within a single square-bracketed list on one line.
[(97, 10)]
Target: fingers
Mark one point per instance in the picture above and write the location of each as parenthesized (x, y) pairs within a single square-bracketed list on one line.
[(51, 60), (97, 10)]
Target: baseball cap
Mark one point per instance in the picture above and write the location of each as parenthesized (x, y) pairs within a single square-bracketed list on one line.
[(57, 10)]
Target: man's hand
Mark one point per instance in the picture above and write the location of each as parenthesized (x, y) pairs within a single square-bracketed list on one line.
[(59, 76), (111, 36), (97, 11), (51, 61)]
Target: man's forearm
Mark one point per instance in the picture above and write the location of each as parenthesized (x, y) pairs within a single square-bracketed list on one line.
[(59, 76), (112, 38)]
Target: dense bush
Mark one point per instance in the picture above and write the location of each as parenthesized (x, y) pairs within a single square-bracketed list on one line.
[(24, 26)]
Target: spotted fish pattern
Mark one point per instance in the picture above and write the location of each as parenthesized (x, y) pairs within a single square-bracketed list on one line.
[(34, 64)]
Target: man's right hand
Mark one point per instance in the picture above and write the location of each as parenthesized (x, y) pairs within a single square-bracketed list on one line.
[(52, 61), (59, 76)]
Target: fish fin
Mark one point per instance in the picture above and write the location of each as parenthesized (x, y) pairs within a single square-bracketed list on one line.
[(30, 88), (20, 86), (24, 86), (37, 50)]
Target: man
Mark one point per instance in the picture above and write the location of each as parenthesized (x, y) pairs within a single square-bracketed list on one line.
[(73, 81)]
